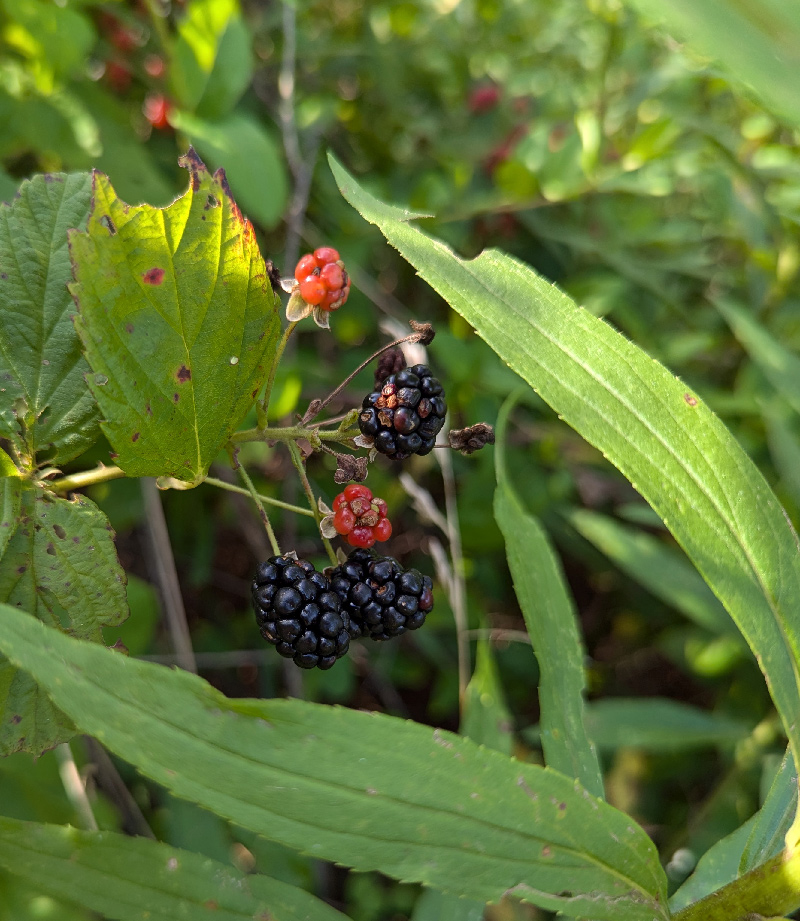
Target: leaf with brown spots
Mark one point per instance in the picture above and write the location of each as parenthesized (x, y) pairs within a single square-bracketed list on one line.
[(179, 321), (47, 411), (60, 564)]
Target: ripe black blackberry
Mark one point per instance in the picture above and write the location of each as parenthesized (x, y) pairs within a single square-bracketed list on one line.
[(299, 613), (381, 598), (405, 415)]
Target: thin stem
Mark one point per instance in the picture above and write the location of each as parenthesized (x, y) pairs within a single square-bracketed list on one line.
[(297, 460), (290, 433), (73, 786), (107, 778), (100, 474), (458, 598), (221, 484), (769, 890), (263, 407), (316, 407), (159, 25), (261, 510), (167, 575)]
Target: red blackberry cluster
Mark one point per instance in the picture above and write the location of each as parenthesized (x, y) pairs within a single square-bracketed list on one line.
[(406, 414), (299, 613), (322, 279), (360, 518), (381, 598)]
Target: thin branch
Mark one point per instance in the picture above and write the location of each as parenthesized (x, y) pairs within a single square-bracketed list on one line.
[(263, 406), (458, 598), (108, 779), (73, 786), (297, 460), (167, 575), (273, 541), (221, 484), (99, 474)]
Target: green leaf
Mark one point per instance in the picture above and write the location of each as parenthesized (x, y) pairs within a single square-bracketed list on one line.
[(252, 161), (774, 819), (658, 725), (212, 63), (440, 906), (780, 366), (179, 322), (662, 437), (480, 825), (660, 569), (134, 878), (552, 625), (486, 718), (10, 503), (45, 405), (61, 565), (757, 40), (57, 38)]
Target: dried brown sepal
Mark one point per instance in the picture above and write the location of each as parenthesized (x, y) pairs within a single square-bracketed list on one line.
[(350, 468), (425, 331), (389, 363), (472, 439), (314, 408)]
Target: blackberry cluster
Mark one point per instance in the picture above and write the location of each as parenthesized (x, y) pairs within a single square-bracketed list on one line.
[(299, 613), (406, 414), (381, 598)]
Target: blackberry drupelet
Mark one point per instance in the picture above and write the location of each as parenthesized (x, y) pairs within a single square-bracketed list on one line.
[(299, 613), (405, 415), (381, 598)]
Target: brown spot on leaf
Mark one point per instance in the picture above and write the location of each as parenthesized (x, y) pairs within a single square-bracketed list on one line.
[(689, 399), (153, 276), (211, 202), (195, 165), (546, 852), (183, 374), (148, 409), (175, 397), (16, 719), (21, 569), (76, 540), (3, 275), (51, 550), (105, 221), (59, 531), (129, 327), (135, 436)]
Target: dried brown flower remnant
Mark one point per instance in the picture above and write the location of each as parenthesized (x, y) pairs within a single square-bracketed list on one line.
[(472, 439)]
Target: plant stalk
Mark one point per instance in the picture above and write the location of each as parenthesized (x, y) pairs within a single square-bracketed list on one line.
[(769, 890), (261, 510), (297, 460), (263, 407), (100, 474)]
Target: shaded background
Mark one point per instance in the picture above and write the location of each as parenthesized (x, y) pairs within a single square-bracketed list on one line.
[(573, 135)]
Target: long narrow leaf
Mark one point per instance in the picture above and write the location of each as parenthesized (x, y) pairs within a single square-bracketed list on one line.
[(134, 878), (369, 791), (553, 628), (648, 423)]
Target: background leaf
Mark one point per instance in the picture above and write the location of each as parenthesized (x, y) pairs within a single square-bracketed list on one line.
[(134, 878), (552, 625), (757, 40), (212, 62), (658, 725), (670, 446), (61, 565), (45, 407), (659, 568), (480, 825), (179, 322)]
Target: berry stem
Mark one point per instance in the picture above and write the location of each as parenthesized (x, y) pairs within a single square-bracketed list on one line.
[(99, 474), (263, 406), (297, 460), (221, 484), (316, 407), (291, 433), (261, 510)]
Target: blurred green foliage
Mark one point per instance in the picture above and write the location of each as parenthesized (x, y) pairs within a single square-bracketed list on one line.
[(572, 135)]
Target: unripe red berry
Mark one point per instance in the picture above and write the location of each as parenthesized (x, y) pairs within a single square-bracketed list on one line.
[(344, 520), (382, 530), (332, 275), (312, 290), (326, 254), (355, 491), (305, 267), (361, 537)]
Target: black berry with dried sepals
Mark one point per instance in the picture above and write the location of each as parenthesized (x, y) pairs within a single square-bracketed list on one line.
[(298, 612), (406, 414), (381, 598)]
